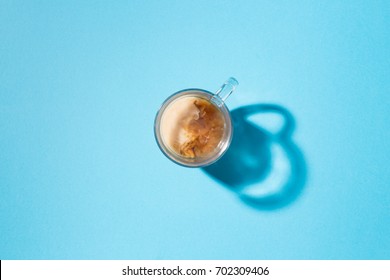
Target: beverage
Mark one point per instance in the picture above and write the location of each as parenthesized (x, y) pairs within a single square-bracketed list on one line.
[(193, 127)]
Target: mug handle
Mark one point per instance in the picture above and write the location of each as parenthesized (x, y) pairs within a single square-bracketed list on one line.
[(289, 123), (224, 92)]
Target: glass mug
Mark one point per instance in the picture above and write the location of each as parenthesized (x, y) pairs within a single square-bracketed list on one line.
[(193, 127)]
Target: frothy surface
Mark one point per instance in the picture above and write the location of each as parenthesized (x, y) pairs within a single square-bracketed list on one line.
[(192, 127)]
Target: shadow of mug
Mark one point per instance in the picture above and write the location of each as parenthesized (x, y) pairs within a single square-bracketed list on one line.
[(265, 169)]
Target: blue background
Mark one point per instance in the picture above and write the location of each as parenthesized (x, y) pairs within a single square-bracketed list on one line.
[(81, 176)]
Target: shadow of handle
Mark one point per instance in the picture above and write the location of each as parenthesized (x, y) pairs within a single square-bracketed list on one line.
[(288, 125)]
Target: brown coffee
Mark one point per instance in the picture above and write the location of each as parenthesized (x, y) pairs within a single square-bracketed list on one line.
[(193, 127)]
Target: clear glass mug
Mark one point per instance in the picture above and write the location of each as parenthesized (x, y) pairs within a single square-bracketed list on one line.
[(193, 127)]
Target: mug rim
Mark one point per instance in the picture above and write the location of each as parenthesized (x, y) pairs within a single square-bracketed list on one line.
[(165, 150)]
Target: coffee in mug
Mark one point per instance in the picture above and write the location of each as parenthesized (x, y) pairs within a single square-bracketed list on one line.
[(193, 126)]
